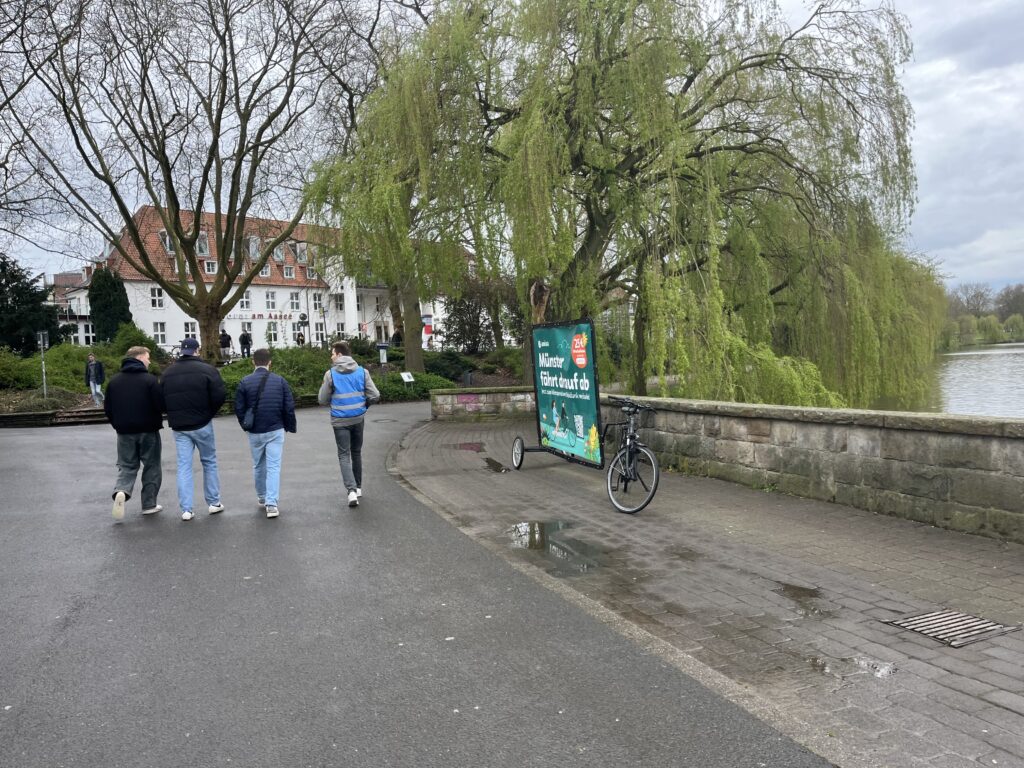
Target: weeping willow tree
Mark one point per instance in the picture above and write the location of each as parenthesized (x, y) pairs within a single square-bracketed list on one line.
[(729, 182)]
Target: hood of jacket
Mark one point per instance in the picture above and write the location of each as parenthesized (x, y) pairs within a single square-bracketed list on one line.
[(133, 365), (345, 365)]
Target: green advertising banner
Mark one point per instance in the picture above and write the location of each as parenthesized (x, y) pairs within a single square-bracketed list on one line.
[(565, 385)]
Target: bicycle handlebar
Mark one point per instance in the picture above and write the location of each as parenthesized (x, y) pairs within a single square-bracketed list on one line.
[(625, 402)]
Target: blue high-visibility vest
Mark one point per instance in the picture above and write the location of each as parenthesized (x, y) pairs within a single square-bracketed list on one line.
[(349, 398)]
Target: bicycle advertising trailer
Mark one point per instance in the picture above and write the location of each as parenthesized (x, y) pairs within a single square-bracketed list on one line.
[(568, 414)]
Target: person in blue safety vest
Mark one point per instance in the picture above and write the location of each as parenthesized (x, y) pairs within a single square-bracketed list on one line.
[(349, 390)]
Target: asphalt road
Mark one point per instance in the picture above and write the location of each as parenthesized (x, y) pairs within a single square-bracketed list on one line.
[(376, 636)]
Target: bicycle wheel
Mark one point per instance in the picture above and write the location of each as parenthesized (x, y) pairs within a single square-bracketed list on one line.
[(632, 482), (571, 434), (518, 447)]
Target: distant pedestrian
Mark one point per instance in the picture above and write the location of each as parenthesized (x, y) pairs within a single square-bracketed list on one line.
[(94, 378), (193, 393), (245, 342), (134, 406), (225, 345), (349, 390), (300, 339), (274, 414)]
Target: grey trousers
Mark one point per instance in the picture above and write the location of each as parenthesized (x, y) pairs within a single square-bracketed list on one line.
[(349, 440), (132, 450)]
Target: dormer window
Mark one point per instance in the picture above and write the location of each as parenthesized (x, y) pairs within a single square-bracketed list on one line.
[(279, 253), (203, 245), (265, 272), (300, 252), (166, 241), (210, 267), (252, 247), (289, 272)]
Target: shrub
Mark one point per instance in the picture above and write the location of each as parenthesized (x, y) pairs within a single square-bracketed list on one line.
[(56, 399), (394, 390), (130, 335), (449, 364), (17, 372), (506, 360)]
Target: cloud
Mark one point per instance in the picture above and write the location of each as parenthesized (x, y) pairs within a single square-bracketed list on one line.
[(986, 259)]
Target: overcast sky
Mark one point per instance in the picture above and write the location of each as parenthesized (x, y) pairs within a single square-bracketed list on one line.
[(966, 84)]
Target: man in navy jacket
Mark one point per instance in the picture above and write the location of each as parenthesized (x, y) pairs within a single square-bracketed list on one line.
[(134, 407), (274, 414)]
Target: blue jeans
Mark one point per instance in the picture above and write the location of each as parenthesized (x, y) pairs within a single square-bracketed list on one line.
[(201, 439), (97, 392), (349, 440), (267, 449)]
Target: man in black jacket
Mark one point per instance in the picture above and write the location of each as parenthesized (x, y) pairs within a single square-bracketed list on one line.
[(193, 393), (274, 414), (134, 407)]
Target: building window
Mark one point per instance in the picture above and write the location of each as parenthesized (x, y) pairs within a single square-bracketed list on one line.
[(339, 302), (203, 244), (289, 272), (359, 302), (340, 328), (156, 298), (296, 328), (265, 272), (252, 247), (293, 300), (300, 252), (88, 338), (279, 253), (318, 302), (271, 300), (160, 333), (191, 332), (210, 267), (377, 301), (246, 301), (319, 333), (166, 242), (247, 327), (311, 273), (272, 333)]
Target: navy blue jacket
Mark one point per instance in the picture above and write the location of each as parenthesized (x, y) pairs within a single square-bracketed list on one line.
[(276, 409)]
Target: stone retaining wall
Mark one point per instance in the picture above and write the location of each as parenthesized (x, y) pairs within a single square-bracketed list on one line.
[(964, 473), (959, 472), (481, 403)]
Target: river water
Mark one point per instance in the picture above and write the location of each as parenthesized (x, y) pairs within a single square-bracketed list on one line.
[(979, 381)]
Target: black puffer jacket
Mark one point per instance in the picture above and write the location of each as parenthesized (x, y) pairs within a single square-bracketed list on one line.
[(134, 403), (193, 393)]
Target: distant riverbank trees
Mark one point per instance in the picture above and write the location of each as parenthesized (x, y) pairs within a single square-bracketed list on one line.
[(979, 315), (723, 190)]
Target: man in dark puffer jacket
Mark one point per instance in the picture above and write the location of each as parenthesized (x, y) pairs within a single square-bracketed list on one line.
[(193, 393), (134, 406), (274, 406)]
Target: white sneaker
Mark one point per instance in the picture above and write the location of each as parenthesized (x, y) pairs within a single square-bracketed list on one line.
[(272, 511), (119, 499), (353, 499), (187, 515), (215, 508), (359, 493), (152, 510)]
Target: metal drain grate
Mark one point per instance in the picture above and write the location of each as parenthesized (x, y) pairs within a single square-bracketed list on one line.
[(952, 627)]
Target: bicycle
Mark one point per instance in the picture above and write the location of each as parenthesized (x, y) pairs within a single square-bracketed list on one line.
[(633, 473)]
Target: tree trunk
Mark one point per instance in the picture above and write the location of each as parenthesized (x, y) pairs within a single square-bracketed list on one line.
[(539, 295), (639, 360), (496, 330), (412, 335), (209, 334)]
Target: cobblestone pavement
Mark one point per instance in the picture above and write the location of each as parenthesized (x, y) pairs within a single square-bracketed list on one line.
[(784, 597)]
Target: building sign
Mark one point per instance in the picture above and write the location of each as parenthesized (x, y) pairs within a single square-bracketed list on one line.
[(565, 386), (259, 316)]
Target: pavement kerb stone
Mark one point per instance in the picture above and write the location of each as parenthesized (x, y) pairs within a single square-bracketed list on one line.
[(653, 586)]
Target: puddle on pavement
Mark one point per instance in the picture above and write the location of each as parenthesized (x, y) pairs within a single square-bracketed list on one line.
[(807, 599), (475, 447), (569, 556), (494, 465), (684, 553)]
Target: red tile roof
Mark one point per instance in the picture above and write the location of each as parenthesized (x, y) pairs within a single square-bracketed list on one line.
[(150, 227)]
